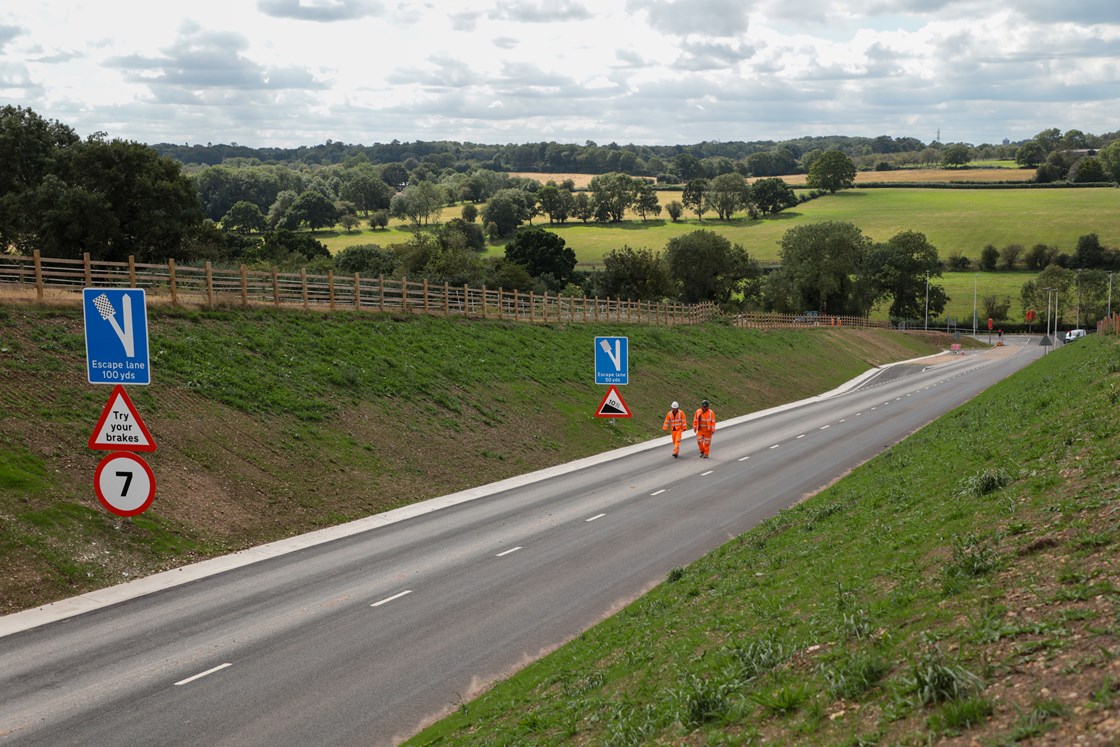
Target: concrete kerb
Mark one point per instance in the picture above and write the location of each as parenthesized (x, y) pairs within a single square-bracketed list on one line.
[(65, 608)]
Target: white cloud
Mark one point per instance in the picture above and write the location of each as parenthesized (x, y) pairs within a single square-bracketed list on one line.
[(297, 72)]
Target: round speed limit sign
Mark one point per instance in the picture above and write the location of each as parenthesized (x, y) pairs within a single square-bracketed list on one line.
[(124, 483)]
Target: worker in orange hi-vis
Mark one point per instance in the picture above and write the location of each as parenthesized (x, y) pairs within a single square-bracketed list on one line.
[(676, 422), (704, 423)]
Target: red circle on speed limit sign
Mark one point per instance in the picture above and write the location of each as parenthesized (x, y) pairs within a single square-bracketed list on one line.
[(124, 483)]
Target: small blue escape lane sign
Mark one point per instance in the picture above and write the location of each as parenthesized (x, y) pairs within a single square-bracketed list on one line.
[(612, 360), (116, 322)]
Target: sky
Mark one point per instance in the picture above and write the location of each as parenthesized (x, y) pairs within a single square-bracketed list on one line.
[(286, 73)]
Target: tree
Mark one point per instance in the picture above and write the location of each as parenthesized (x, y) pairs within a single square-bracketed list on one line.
[(459, 234), (899, 269), (832, 171), (581, 207), (379, 219), (507, 209), (1110, 159), (30, 148), (287, 250), (1089, 252), (244, 218), (1088, 170), (1039, 256), (1030, 154), (543, 253), (675, 209), (822, 261), (994, 307), (417, 202), (395, 175), (637, 274), (708, 267), (956, 154), (367, 192), (688, 167), (646, 202), (469, 213), (989, 257), (366, 259), (695, 197), (349, 222), (152, 208), (727, 194), (314, 209), (772, 195), (613, 194), (555, 202), (1010, 256)]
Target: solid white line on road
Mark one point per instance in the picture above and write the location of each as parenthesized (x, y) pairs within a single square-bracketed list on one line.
[(826, 427), (659, 492), (775, 446), (200, 675), (507, 552), (597, 516), (389, 599), (707, 473), (744, 459)]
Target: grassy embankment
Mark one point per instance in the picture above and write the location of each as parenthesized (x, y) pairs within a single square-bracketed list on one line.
[(959, 589), (272, 423)]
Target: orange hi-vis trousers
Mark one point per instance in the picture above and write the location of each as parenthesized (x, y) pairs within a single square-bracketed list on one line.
[(676, 425), (704, 423)]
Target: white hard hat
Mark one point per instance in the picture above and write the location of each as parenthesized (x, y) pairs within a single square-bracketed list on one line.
[(675, 405)]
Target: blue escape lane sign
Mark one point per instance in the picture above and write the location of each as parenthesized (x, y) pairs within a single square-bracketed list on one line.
[(116, 323), (612, 360)]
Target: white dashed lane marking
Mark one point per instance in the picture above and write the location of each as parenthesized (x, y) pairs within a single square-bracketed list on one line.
[(507, 552), (389, 599), (597, 516), (200, 675)]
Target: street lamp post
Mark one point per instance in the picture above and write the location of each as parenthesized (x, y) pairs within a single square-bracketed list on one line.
[(927, 301), (974, 304), (1050, 339)]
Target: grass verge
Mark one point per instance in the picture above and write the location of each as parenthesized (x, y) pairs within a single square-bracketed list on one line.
[(961, 588)]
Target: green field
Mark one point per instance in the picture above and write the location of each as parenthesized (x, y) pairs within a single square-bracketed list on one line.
[(959, 287), (954, 220)]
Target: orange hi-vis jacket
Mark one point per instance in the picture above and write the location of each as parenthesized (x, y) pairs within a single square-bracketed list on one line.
[(675, 423), (704, 422)]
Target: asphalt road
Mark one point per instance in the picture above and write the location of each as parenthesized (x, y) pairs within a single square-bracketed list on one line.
[(363, 639)]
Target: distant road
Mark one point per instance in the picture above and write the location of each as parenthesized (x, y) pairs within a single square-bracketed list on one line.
[(363, 639)]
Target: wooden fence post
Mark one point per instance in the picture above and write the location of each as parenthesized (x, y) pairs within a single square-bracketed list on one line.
[(404, 292), (38, 275), (275, 286), (516, 310), (88, 267), (171, 281), (330, 286), (244, 286), (381, 293), (209, 285), (357, 292), (447, 297), (483, 300), (425, 295), (303, 284), (131, 271), (501, 306)]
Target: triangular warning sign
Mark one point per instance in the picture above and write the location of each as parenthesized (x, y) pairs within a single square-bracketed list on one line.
[(120, 427), (613, 406)]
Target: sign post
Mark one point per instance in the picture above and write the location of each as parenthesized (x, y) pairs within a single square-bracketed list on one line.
[(116, 326)]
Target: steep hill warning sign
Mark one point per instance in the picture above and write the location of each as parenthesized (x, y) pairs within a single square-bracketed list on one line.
[(613, 406), (120, 427)]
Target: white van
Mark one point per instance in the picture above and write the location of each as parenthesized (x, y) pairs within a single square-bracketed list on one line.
[(1074, 334)]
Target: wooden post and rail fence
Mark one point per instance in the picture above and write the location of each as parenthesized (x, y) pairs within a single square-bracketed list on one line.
[(212, 287)]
